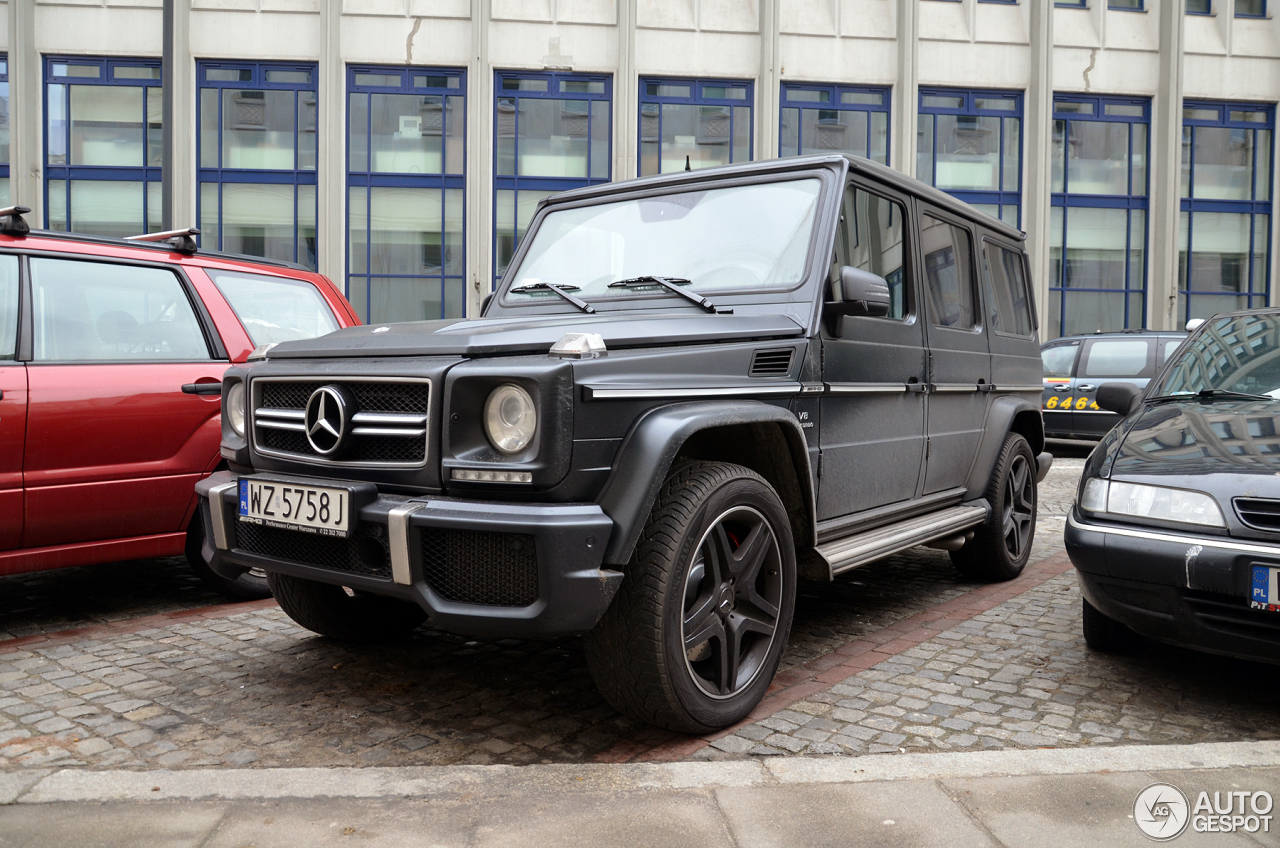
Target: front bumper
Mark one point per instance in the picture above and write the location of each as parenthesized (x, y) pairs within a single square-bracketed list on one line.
[(477, 568), (1182, 588)]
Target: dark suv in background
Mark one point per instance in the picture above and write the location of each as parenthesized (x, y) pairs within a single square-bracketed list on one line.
[(688, 391), (1075, 366)]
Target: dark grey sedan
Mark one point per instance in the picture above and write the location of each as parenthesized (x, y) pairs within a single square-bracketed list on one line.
[(1176, 528)]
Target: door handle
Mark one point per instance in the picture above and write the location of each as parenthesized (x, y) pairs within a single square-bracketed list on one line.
[(202, 388), (917, 387), (1062, 388), (1085, 388)]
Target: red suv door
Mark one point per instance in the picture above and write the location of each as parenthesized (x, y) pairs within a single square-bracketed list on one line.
[(13, 408), (114, 444)]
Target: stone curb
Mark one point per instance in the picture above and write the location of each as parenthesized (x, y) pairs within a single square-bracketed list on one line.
[(473, 783)]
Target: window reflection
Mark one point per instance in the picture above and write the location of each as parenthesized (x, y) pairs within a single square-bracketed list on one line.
[(693, 124)]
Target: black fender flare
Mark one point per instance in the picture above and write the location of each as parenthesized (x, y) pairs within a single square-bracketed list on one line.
[(647, 452), (1009, 412)]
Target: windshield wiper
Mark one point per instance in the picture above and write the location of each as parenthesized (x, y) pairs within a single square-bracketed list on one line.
[(1210, 394), (671, 284), (563, 291)]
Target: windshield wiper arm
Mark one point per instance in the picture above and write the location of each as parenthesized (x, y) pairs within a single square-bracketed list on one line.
[(563, 291), (671, 284), (1211, 394)]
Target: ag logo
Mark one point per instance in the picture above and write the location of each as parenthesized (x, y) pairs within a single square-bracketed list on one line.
[(1161, 812)]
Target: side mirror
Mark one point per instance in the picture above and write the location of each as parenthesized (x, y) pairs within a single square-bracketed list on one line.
[(1121, 398), (861, 293)]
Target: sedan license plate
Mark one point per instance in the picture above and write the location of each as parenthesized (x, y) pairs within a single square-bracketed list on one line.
[(1265, 594), (292, 506)]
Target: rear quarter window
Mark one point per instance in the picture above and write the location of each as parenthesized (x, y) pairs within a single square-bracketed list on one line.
[(275, 309), (1008, 306), (1117, 358)]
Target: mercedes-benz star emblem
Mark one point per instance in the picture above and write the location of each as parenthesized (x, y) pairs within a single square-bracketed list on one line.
[(326, 418)]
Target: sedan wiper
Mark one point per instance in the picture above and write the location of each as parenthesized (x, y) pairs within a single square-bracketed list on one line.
[(1210, 394), (563, 291), (671, 284)]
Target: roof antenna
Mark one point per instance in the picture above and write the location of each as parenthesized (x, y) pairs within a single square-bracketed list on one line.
[(686, 163)]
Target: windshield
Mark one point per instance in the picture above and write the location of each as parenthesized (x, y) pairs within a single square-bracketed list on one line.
[(275, 309), (1240, 353), (743, 237)]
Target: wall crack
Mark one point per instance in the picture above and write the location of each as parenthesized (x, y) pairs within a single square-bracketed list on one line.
[(408, 42)]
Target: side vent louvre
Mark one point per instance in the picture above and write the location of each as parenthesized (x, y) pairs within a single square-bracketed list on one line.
[(772, 363)]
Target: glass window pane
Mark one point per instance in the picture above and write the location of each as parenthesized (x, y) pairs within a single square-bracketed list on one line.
[(358, 132), (1058, 155), (107, 208), (968, 153), (599, 140), (514, 212), (358, 230), (107, 125), (405, 231), (392, 299), (57, 198), (209, 230), (1198, 7), (436, 81), (1193, 113), (155, 127), (1186, 161), (1251, 8), (209, 128), (650, 120), (510, 84), (1012, 155), (289, 77), (384, 80), (229, 74), (306, 130), (880, 137), (1138, 159), (1092, 312), (870, 237), (789, 132), (4, 191), (741, 134), (1223, 166), (553, 138), (56, 132), (1059, 360), (924, 148), (582, 86), (8, 306), (1009, 309), (1137, 250), (258, 220), (1262, 191), (505, 132), (406, 133), (455, 296), (258, 130), (155, 207), (275, 309), (100, 311), (1255, 117), (697, 134), (722, 92), (455, 249), (654, 89), (1098, 158), (81, 71), (829, 130), (4, 122), (1095, 249), (996, 104), (936, 101), (135, 73), (948, 268), (864, 98), (1261, 252), (1125, 110), (306, 254), (1010, 214), (1219, 252), (1071, 107), (1184, 238), (802, 95), (455, 128)]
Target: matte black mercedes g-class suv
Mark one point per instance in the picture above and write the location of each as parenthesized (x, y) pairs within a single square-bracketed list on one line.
[(687, 391)]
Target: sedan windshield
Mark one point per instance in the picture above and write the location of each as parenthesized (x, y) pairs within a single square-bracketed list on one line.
[(1233, 354), (739, 238)]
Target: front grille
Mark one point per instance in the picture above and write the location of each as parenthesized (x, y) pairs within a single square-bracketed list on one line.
[(389, 423), (364, 552), (493, 569), (771, 363), (1232, 615), (1259, 513)]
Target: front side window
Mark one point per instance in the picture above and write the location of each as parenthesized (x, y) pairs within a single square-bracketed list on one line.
[(256, 150), (694, 123), (1098, 220), (1059, 360), (8, 307), (551, 133), (406, 164), (749, 237), (86, 311), (948, 273), (102, 145), (1224, 241), (834, 119), (870, 237), (970, 145), (275, 309)]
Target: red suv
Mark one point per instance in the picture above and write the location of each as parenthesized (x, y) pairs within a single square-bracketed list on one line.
[(111, 361)]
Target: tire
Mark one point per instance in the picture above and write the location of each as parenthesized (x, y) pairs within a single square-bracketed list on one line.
[(328, 610), (714, 560), (251, 585), (1001, 546), (1105, 635)]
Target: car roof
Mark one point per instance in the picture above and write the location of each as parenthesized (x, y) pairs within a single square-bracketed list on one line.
[(845, 162), (1118, 334)]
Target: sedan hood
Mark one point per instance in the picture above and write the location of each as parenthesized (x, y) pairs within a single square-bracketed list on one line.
[(1199, 438), (522, 335)]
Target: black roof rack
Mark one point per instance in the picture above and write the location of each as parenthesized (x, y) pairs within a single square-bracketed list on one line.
[(182, 241), (11, 221)]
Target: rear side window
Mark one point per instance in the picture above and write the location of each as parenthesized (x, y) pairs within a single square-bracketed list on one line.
[(275, 309), (1117, 358), (8, 306), (87, 311), (948, 268), (1009, 310), (1057, 361)]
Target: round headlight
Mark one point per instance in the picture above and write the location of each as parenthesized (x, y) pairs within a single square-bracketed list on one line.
[(510, 418), (235, 408)]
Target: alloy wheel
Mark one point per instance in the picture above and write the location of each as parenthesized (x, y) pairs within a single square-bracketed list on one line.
[(1019, 516)]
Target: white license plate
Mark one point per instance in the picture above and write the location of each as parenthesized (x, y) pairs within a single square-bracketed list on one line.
[(1265, 591), (311, 509)]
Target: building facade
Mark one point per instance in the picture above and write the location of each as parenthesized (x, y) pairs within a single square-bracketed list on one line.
[(401, 146)]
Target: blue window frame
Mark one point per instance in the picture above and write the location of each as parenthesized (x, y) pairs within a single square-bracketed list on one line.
[(256, 155), (406, 179), (970, 145), (698, 123), (5, 194), (552, 132), (102, 145), (1251, 8), (819, 118), (1224, 242), (1098, 215)]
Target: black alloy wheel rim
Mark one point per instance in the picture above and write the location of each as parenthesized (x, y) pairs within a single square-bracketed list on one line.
[(732, 602), (1019, 516)]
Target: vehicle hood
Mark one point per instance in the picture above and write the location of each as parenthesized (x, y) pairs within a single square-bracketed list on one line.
[(523, 335), (1199, 438)]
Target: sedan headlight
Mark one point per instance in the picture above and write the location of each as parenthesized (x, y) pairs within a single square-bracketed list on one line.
[(510, 418), (235, 408), (1155, 502)]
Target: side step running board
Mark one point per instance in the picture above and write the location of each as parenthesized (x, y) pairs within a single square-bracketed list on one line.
[(850, 552)]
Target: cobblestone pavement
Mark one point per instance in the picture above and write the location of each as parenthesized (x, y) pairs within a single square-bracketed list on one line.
[(996, 666)]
